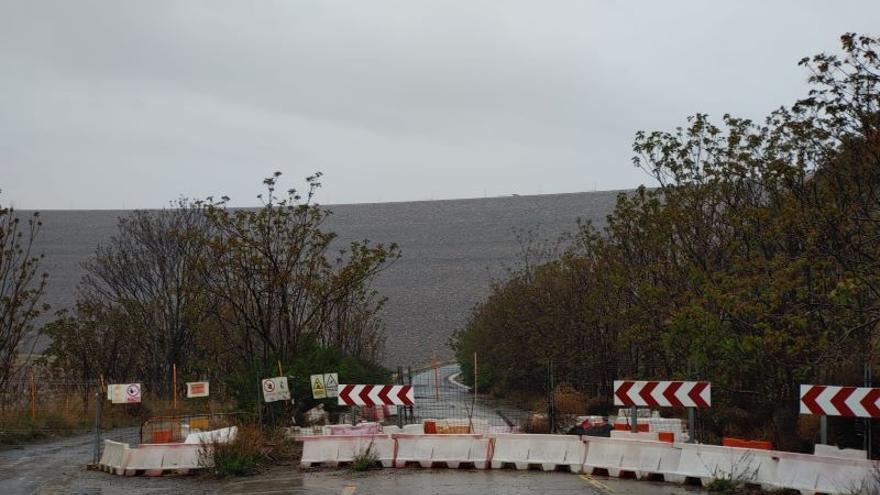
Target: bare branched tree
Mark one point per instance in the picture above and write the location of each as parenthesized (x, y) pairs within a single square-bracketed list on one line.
[(21, 289)]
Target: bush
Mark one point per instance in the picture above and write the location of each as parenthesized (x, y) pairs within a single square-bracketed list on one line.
[(724, 485), (366, 458), (247, 454)]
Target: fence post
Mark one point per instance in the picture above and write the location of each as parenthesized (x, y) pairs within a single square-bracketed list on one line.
[(33, 397), (174, 384), (400, 418), (692, 424), (97, 449), (552, 402), (634, 419), (412, 414)]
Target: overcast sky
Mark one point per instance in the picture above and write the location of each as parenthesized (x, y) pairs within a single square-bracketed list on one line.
[(130, 104)]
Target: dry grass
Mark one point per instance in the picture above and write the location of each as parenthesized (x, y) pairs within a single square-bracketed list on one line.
[(69, 414), (567, 400), (252, 450)]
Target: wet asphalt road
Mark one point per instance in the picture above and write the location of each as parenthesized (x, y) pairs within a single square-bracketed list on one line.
[(43, 467), (456, 402), (449, 482)]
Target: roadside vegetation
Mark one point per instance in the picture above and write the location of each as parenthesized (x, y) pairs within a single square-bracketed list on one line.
[(226, 295), (253, 450), (753, 264), (197, 291)]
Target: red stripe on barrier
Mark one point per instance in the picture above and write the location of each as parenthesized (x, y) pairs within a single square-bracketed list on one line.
[(869, 402), (645, 394), (669, 394), (695, 392), (810, 397), (621, 393), (839, 401)]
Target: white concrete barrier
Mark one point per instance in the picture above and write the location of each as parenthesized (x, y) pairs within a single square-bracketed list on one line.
[(642, 435), (333, 450), (821, 450), (548, 451), (810, 473), (157, 459), (630, 457), (113, 457), (223, 435), (709, 462), (416, 429), (451, 450)]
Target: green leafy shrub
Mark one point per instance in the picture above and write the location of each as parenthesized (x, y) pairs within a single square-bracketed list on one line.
[(247, 454)]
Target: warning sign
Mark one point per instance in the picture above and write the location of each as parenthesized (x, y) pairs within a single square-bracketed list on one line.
[(319, 391), (331, 385), (325, 386), (124, 393), (197, 389), (275, 389)]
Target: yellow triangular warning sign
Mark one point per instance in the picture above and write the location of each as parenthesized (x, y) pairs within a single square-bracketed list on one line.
[(317, 385)]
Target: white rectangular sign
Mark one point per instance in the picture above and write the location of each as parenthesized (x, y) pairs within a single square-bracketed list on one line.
[(319, 391), (331, 385), (325, 386), (275, 389), (197, 389), (124, 393)]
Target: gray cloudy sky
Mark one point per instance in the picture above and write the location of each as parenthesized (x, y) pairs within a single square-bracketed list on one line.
[(124, 104)]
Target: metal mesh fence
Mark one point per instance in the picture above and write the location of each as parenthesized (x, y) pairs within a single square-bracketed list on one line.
[(174, 429), (41, 409), (446, 405)]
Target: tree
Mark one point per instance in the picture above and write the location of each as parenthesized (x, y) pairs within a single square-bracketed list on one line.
[(753, 264), (21, 288), (140, 305), (271, 275), (224, 294)]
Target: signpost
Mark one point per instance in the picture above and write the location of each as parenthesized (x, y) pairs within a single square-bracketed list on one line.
[(635, 394), (197, 389), (275, 389), (825, 400)]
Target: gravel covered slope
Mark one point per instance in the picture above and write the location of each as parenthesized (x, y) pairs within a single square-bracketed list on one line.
[(451, 251)]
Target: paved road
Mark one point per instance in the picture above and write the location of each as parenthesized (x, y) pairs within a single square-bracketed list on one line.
[(447, 482), (455, 401), (42, 467)]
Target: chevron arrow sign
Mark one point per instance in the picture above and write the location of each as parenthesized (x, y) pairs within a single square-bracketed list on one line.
[(857, 402), (662, 394), (375, 395)]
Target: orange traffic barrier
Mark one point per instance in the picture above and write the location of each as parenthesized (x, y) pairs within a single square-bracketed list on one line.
[(666, 436), (642, 428), (163, 436), (746, 444)]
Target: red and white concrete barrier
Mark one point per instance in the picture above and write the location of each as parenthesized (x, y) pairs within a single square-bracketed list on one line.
[(548, 451), (450, 450), (334, 450)]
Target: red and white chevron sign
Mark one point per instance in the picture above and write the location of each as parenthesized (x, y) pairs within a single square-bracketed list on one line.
[(860, 402), (375, 395), (662, 394)]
